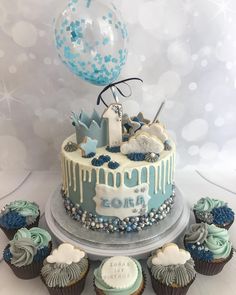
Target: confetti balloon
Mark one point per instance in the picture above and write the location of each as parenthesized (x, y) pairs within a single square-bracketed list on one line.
[(91, 40)]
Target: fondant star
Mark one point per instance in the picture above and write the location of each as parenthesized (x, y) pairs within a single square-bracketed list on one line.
[(88, 146)]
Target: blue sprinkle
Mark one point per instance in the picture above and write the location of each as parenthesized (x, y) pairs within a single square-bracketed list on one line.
[(222, 215), (12, 220), (41, 254), (199, 252)]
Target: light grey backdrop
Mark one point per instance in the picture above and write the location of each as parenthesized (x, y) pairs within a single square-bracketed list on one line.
[(183, 50)]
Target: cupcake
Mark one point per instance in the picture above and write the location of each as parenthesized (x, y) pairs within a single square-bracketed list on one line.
[(209, 246), (213, 211), (26, 252), (119, 275), (64, 271), (18, 214), (171, 270)]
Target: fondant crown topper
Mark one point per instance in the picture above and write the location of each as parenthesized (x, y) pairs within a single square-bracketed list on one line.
[(170, 254)]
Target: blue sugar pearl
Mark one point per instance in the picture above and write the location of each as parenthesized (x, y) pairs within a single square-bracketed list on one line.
[(115, 222), (128, 229)]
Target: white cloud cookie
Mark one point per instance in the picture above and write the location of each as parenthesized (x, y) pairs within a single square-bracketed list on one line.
[(155, 129), (170, 254), (66, 253), (142, 143)]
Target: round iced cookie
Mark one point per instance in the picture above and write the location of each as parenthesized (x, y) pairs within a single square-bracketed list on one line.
[(119, 272)]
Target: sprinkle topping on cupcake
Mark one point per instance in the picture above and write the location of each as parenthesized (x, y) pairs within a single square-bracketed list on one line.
[(19, 214), (208, 242), (213, 211)]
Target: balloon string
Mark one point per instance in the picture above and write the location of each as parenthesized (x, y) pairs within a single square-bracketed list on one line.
[(100, 98)]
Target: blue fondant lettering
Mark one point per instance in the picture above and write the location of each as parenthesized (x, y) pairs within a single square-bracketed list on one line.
[(126, 203), (116, 203), (106, 203), (131, 202), (140, 201)]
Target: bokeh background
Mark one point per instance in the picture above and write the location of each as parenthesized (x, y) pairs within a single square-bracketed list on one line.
[(185, 51)]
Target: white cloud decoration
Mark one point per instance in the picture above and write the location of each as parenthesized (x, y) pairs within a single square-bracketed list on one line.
[(66, 253), (142, 143), (170, 254), (155, 129)]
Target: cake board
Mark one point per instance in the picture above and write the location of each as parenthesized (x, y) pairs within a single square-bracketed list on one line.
[(99, 245)]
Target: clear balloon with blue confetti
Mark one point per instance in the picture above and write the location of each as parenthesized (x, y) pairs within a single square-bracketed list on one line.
[(91, 39)]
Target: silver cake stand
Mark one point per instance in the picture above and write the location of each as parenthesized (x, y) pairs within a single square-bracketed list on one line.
[(99, 245)]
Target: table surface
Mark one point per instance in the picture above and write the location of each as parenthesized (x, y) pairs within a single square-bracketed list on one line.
[(39, 185)]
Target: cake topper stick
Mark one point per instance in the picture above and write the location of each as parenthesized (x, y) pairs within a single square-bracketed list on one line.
[(113, 90), (159, 111)]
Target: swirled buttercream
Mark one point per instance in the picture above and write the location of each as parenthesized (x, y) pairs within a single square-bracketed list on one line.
[(179, 274), (207, 204), (197, 233), (218, 242), (39, 236), (62, 274), (23, 252)]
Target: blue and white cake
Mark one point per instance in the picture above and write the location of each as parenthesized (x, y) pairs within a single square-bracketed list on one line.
[(117, 171)]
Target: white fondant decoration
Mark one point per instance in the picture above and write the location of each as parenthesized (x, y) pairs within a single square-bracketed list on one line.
[(155, 129), (114, 115), (122, 201), (170, 254), (119, 272), (142, 143), (66, 253)]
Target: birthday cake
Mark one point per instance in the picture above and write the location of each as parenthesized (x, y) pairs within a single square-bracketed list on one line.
[(117, 171)]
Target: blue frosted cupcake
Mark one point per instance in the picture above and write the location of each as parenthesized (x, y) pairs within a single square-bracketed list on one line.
[(19, 214), (209, 246), (26, 252), (213, 211)]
